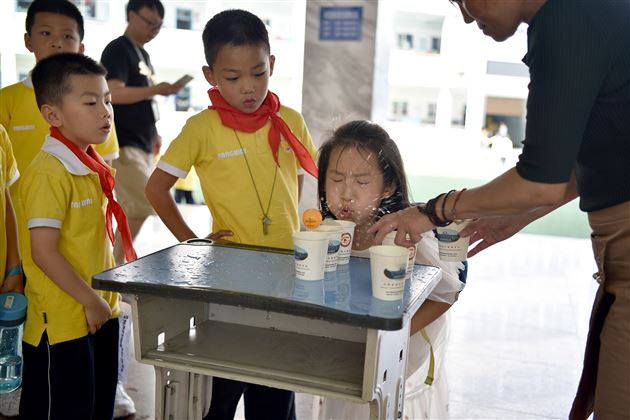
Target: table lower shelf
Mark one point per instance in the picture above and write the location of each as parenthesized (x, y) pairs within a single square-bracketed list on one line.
[(307, 363)]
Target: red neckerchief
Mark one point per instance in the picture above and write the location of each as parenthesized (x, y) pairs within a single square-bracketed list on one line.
[(249, 123), (93, 161)]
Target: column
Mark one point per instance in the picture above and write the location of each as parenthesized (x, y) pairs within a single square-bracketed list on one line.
[(339, 69)]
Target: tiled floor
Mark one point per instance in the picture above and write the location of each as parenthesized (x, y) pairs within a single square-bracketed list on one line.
[(519, 329), (517, 335)]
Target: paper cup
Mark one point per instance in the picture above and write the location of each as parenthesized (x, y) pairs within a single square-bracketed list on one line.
[(347, 234), (388, 264), (334, 243), (309, 251), (389, 240), (451, 246)]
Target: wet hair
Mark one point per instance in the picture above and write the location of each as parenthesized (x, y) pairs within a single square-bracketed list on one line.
[(51, 76), (368, 138), (236, 28), (60, 7), (136, 5)]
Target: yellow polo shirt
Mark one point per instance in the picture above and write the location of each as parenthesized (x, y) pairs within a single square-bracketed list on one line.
[(227, 186), (27, 130), (61, 192), (8, 175)]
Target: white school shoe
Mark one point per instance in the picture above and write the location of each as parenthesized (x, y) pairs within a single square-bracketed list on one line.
[(123, 406)]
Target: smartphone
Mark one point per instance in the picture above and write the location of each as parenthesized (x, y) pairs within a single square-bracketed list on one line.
[(184, 79)]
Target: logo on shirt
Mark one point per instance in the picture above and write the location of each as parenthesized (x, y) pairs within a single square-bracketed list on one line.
[(24, 127), (231, 153), (79, 204)]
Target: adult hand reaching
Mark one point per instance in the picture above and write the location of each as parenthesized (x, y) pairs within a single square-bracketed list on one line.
[(488, 231), (407, 222)]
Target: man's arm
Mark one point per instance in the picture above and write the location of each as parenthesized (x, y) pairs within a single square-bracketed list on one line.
[(45, 253), (123, 94), (507, 195)]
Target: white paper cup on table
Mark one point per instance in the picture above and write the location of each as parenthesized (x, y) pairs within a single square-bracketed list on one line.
[(309, 252), (388, 264), (451, 246), (334, 243), (347, 234), (389, 240)]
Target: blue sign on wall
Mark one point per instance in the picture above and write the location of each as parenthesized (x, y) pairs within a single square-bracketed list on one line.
[(340, 23)]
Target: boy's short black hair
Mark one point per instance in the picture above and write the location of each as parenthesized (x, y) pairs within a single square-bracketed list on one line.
[(233, 27), (60, 7), (51, 76), (136, 5)]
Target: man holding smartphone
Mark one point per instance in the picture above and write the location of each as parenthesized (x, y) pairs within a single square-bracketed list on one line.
[(131, 80)]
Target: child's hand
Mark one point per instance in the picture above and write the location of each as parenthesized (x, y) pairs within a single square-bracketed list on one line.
[(97, 313), (13, 284), (220, 234)]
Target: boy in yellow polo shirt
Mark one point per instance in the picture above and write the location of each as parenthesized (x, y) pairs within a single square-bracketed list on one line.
[(71, 334), (9, 254), (248, 151), (52, 26)]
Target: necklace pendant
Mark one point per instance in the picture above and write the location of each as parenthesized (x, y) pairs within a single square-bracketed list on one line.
[(266, 221)]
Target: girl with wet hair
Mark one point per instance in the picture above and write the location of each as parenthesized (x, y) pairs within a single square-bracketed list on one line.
[(362, 178)]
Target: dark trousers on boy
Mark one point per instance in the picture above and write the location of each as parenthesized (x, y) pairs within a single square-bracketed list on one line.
[(261, 402), (78, 376)]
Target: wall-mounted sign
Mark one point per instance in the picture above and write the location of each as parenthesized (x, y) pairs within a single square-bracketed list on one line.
[(338, 23)]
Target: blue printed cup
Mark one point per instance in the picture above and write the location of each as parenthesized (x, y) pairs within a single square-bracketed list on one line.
[(388, 265), (333, 230), (451, 246), (389, 240), (309, 251)]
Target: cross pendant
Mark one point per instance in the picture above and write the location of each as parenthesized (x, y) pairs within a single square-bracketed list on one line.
[(266, 221)]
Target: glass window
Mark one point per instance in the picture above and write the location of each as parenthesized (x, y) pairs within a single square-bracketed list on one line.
[(184, 19), (430, 118), (400, 110), (87, 7), (436, 44), (405, 41), (22, 5)]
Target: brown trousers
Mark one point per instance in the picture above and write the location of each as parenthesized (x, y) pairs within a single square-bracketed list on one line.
[(604, 387)]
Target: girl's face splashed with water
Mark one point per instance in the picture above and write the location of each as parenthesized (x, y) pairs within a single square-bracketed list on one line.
[(354, 185)]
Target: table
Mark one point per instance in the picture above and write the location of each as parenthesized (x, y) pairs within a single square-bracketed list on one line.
[(238, 312)]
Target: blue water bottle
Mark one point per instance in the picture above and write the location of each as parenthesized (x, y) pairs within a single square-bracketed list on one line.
[(12, 316)]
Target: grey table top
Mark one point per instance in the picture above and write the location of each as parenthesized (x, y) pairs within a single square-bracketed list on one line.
[(265, 279)]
